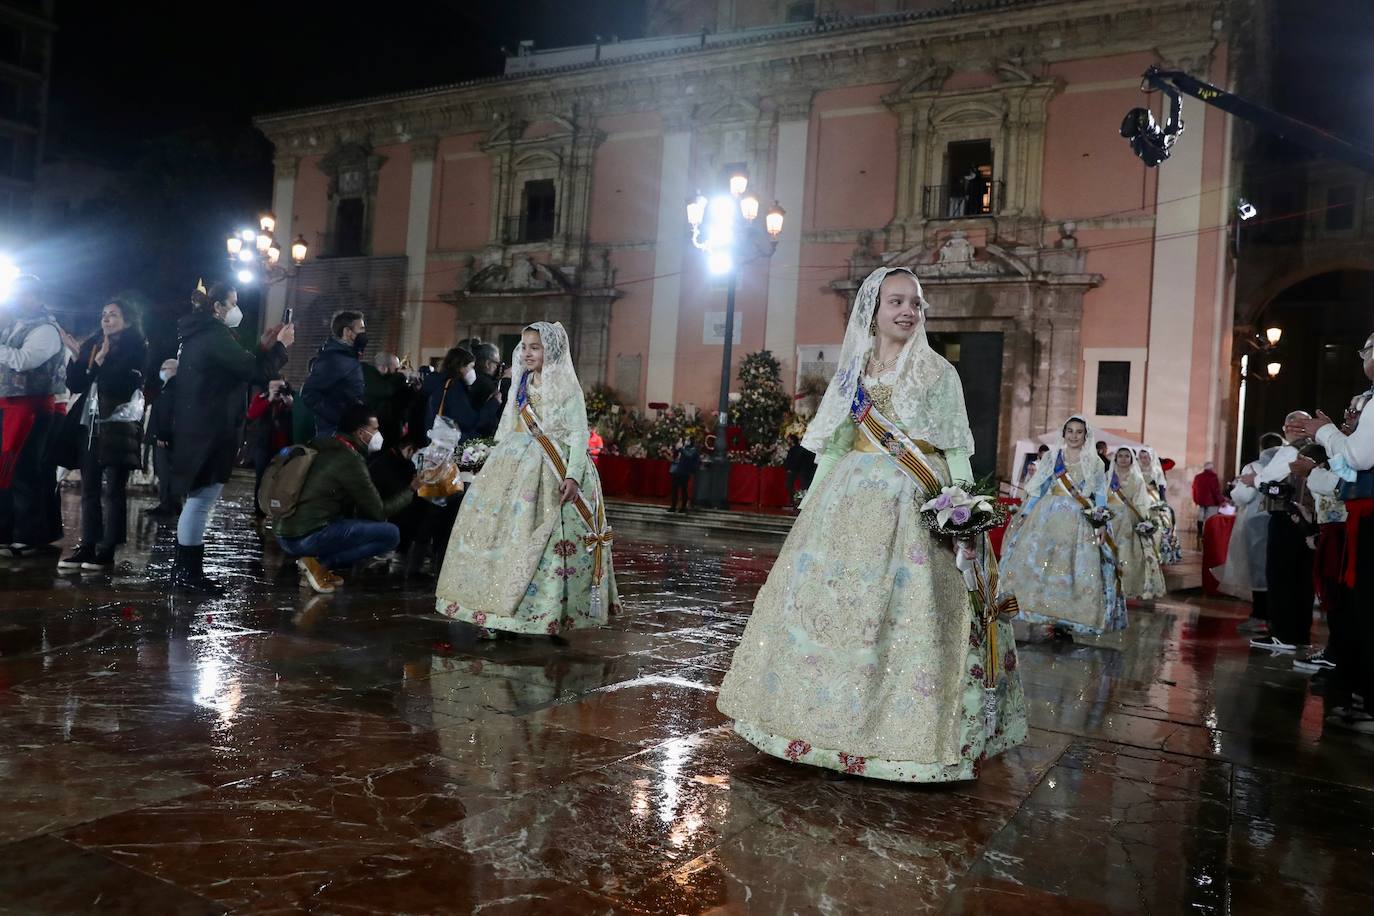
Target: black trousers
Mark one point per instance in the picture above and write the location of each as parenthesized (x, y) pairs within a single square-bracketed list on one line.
[(1288, 566), (679, 486), (162, 467), (104, 501), (1355, 646)]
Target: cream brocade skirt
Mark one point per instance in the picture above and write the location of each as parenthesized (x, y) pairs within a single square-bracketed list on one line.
[(862, 654), (515, 560), (1138, 558)]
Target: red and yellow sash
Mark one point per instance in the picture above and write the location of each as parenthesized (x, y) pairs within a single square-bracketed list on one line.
[(1108, 542)]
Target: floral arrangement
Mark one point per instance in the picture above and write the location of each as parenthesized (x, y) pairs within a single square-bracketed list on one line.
[(602, 401), (1098, 516), (474, 454), (762, 407), (961, 514), (1145, 529)]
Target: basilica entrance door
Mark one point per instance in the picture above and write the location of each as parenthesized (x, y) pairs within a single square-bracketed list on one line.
[(978, 357)]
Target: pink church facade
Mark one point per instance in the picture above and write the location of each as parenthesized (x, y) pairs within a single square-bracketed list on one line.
[(980, 148)]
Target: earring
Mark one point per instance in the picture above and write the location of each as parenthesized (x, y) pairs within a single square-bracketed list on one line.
[(873, 326)]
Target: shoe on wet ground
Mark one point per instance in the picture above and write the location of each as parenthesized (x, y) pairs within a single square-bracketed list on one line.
[(320, 580), (1317, 661), (82, 554), (1272, 644), (99, 561)]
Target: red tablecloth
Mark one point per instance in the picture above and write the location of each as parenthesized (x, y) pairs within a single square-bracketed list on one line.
[(995, 535), (615, 475), (1216, 537)]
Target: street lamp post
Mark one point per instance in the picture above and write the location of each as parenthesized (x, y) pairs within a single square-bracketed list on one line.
[(725, 229), (254, 252)]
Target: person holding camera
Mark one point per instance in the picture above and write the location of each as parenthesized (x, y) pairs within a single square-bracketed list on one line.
[(270, 425)]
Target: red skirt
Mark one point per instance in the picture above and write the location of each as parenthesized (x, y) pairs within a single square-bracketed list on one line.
[(1327, 564), (17, 416)]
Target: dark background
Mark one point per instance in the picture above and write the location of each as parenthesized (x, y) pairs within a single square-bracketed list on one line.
[(166, 100)]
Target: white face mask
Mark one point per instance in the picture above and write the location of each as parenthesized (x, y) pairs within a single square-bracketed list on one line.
[(233, 317), (164, 375), (375, 443), (470, 376)]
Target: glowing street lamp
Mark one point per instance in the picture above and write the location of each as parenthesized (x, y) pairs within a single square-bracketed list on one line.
[(255, 252), (1273, 335), (725, 229), (1272, 369)]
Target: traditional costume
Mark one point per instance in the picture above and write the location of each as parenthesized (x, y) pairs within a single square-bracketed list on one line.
[(1060, 569), (520, 560), (865, 652), (1138, 553)]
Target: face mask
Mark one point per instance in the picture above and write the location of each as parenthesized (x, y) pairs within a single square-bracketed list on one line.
[(375, 443), (233, 317), (470, 376), (165, 376), (360, 343)]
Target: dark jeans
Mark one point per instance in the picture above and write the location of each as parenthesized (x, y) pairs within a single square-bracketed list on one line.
[(31, 509), (344, 542), (1288, 567), (162, 467), (104, 502), (679, 486)]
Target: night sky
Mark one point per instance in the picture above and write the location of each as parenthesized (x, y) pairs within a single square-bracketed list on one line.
[(168, 101)]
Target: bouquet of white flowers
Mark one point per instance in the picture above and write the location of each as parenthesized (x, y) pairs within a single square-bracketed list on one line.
[(474, 455), (957, 513), (1098, 516), (1145, 529)]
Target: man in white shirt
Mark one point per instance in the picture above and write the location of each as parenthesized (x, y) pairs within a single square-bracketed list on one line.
[(32, 364), (1288, 559), (1351, 476)]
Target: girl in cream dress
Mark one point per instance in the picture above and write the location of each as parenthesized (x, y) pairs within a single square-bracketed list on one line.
[(863, 653), (1129, 498)]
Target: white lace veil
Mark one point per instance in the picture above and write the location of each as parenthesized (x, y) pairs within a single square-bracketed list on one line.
[(1133, 481), (927, 396), (1088, 476), (562, 409), (1156, 469)]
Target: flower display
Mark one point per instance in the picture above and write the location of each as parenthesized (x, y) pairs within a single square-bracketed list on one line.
[(957, 512), (1098, 516), (474, 454)]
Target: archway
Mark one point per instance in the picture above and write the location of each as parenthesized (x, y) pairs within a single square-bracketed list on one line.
[(1325, 319)]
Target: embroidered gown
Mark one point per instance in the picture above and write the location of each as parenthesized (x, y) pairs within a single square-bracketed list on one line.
[(1051, 560), (516, 560), (1137, 554), (863, 654)]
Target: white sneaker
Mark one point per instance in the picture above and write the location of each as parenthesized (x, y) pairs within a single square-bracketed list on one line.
[(1317, 661), (1272, 644)]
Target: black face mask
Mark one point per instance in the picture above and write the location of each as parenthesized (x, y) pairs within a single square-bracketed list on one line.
[(360, 343)]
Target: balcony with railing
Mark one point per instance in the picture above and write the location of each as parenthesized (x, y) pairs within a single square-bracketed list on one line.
[(941, 202)]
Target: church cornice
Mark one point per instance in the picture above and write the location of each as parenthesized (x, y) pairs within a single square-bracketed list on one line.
[(1014, 40)]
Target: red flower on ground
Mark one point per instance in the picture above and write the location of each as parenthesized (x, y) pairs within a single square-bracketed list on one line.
[(565, 548), (853, 765), (796, 750)]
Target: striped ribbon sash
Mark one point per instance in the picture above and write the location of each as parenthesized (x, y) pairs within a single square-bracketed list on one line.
[(599, 536), (884, 434), (987, 604), (1108, 542)]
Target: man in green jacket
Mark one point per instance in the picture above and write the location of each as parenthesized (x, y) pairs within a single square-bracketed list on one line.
[(340, 517)]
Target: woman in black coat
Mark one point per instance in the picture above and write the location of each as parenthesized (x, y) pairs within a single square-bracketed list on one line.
[(447, 393), (210, 402), (107, 372)]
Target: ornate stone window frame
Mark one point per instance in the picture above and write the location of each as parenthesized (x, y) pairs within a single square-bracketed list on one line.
[(352, 169), (1011, 116)]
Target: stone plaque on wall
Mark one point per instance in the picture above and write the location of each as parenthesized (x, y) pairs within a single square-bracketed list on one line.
[(627, 373), (820, 361), (713, 329)]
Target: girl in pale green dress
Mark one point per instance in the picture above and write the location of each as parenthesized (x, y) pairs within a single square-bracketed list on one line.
[(863, 653), (1138, 554), (521, 558)]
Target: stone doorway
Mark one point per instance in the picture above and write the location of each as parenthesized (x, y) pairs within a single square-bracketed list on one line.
[(977, 355)]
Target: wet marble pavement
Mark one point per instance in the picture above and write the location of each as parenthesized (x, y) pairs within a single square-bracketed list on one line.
[(273, 751)]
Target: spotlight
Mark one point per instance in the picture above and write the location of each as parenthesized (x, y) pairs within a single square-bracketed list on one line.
[(9, 272), (245, 276), (1245, 209)]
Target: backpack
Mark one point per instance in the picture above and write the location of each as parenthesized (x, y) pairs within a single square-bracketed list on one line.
[(284, 479)]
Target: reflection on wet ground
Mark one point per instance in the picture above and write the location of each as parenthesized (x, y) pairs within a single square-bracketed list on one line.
[(276, 751)]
